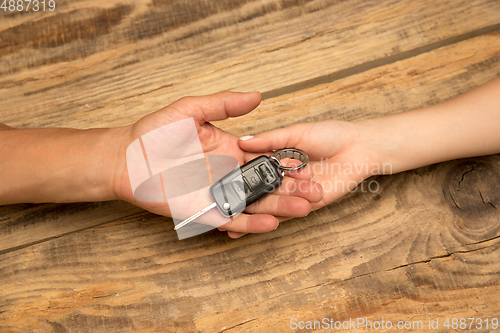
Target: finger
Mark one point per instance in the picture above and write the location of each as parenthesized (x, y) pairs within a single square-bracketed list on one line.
[(272, 140), (250, 156), (218, 106), (280, 205), (255, 223), (307, 189), (235, 235)]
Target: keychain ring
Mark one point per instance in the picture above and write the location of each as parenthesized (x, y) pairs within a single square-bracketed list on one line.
[(292, 153)]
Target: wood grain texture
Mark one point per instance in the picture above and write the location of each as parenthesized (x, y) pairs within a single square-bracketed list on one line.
[(28, 224), (424, 245), (132, 58), (417, 82), (390, 89), (362, 256)]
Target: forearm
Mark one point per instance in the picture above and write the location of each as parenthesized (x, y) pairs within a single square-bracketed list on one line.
[(57, 164), (465, 126)]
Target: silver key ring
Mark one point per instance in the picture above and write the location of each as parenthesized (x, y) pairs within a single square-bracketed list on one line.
[(292, 153)]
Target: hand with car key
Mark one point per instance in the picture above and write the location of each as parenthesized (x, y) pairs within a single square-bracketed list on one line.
[(100, 155), (292, 200)]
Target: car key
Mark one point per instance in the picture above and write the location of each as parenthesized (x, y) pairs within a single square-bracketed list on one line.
[(253, 180), (242, 187)]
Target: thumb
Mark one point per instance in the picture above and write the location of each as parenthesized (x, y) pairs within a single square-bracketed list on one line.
[(288, 137), (218, 106)]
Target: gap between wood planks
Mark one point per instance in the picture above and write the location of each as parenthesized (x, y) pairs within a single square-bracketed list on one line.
[(23, 246), (329, 78)]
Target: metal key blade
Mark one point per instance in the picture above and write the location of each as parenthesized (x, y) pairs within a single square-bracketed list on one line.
[(201, 212)]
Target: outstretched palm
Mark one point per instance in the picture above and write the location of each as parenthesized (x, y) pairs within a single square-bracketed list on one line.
[(336, 158)]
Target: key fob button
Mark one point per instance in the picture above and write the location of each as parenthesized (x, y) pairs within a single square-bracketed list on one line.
[(267, 175), (239, 188), (248, 191), (253, 179)]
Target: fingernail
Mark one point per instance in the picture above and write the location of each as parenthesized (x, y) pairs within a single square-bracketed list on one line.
[(277, 225), (246, 137), (310, 210)]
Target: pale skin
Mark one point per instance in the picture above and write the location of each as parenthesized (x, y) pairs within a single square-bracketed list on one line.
[(67, 165), (465, 126)]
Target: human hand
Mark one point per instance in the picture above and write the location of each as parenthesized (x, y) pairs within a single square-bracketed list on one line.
[(217, 142), (339, 156), (343, 154)]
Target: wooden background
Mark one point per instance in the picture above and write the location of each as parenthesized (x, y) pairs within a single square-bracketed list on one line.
[(425, 246)]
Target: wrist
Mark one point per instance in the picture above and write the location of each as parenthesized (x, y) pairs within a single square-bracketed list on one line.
[(370, 143), (109, 147), (404, 141), (88, 161), (118, 183)]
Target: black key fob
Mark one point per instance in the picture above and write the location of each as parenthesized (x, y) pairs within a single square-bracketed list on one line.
[(245, 185)]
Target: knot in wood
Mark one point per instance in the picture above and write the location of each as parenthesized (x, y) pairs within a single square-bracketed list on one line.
[(472, 190), (474, 186)]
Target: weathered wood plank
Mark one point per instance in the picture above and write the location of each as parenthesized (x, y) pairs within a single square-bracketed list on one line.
[(405, 85), (417, 248), (106, 64), (417, 295), (363, 256), (424, 245), (27, 224), (422, 80)]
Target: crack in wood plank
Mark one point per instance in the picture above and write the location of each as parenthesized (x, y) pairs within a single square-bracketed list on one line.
[(328, 78), (463, 177), (449, 254), (238, 325)]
